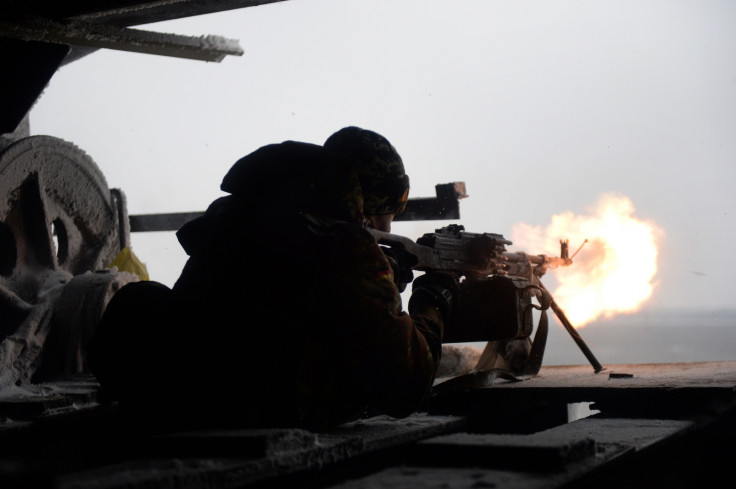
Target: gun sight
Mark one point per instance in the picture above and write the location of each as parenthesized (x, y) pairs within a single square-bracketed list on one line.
[(564, 249)]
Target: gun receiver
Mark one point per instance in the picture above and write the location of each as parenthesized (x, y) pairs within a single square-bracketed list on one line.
[(451, 249)]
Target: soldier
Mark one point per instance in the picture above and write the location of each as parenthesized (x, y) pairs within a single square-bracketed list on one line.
[(384, 186), (286, 312)]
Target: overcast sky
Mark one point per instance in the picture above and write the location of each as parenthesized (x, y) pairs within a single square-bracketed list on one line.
[(539, 107)]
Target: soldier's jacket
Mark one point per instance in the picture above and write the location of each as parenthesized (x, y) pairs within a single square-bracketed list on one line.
[(313, 320), (288, 320)]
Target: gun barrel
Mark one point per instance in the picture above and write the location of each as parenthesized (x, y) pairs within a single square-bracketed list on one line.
[(547, 261), (550, 261)]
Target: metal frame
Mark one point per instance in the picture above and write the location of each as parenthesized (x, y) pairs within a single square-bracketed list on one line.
[(444, 206)]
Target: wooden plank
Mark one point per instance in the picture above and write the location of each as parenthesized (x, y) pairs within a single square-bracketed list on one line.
[(239, 458), (423, 450), (540, 451), (648, 390), (569, 455), (664, 375)]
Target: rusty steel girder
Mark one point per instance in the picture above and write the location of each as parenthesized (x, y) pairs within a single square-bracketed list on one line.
[(60, 225)]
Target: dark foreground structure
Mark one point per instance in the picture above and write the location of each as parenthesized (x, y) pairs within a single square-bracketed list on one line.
[(633, 426), (656, 425)]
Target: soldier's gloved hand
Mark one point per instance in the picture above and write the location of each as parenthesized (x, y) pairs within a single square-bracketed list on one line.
[(434, 289), (401, 263)]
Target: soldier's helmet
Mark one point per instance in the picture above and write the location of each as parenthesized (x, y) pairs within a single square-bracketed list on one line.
[(380, 170)]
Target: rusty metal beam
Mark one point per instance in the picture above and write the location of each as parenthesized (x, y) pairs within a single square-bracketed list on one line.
[(203, 48)]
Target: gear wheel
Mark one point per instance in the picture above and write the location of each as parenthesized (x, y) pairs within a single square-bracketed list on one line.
[(58, 208), (60, 225)]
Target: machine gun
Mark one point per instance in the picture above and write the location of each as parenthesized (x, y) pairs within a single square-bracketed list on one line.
[(453, 250), (496, 287)]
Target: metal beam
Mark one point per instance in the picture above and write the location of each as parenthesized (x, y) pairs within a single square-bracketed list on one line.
[(203, 48), (160, 10), (443, 207)]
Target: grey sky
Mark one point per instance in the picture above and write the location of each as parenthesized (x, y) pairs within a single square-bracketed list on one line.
[(539, 107)]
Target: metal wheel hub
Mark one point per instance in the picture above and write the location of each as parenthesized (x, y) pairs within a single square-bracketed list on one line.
[(59, 223)]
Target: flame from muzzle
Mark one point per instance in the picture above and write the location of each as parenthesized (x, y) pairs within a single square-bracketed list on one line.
[(613, 273)]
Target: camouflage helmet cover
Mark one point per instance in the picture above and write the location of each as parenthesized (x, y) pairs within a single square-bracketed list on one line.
[(379, 167)]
